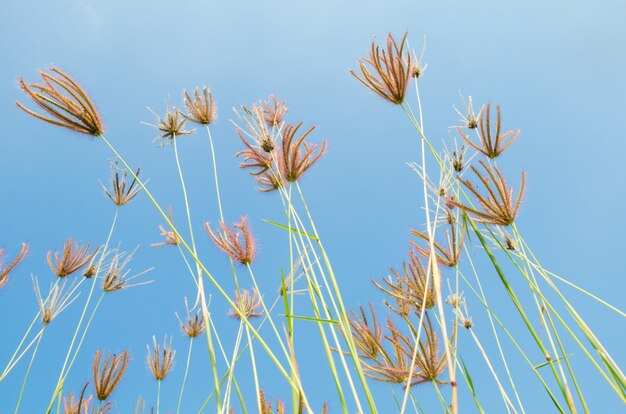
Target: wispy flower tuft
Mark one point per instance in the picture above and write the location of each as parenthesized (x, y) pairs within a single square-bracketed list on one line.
[(228, 241), (171, 238), (4, 271), (66, 103), (170, 126), (193, 326), (274, 111), (55, 302), (161, 359), (247, 304), (71, 259), (116, 277), (121, 192), (107, 376), (491, 144), (201, 109), (297, 156), (388, 72)]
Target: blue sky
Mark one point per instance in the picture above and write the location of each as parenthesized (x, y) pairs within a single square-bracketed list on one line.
[(556, 68)]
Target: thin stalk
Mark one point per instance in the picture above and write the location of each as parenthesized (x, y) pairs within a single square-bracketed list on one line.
[(6, 370), (30, 364), (158, 396), (182, 388), (254, 372)]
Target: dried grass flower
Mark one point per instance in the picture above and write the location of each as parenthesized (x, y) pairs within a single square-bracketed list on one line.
[(117, 277), (161, 359), (55, 301), (450, 256), (253, 132), (5, 270), (490, 145), (498, 206), (193, 326), (201, 109), (107, 376), (228, 241), (274, 111), (71, 259), (408, 288), (297, 156), (469, 119), (76, 405), (64, 101), (367, 333), (170, 126), (247, 304), (388, 72), (121, 192), (171, 238)]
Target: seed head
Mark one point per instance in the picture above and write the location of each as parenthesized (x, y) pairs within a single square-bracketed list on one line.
[(121, 193), (55, 302), (247, 304), (201, 109), (368, 335), (194, 324), (71, 259), (4, 271), (274, 111), (253, 132), (388, 72), (490, 145), (117, 277), (171, 238), (297, 156), (228, 241), (160, 360), (107, 376), (498, 206), (65, 102), (449, 257), (170, 126)]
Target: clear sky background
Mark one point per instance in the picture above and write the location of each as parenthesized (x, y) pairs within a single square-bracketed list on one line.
[(557, 68)]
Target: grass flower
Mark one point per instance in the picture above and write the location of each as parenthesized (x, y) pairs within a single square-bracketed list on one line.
[(71, 259), (65, 102), (408, 287), (170, 126), (116, 277), (193, 326), (368, 334), (55, 302), (388, 72), (121, 192), (498, 206), (107, 376), (490, 145), (469, 120), (274, 111), (247, 304), (449, 257), (76, 405), (254, 132), (201, 109), (161, 359), (297, 156), (228, 241), (4, 271), (171, 238)]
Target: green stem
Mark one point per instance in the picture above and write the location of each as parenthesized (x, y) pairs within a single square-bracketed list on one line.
[(182, 388), (30, 364)]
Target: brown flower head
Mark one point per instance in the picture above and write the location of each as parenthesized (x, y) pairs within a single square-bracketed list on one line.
[(388, 72), (117, 277), (491, 145), (368, 335), (469, 119), (296, 155), (408, 287), (201, 109), (4, 271), (121, 193), (65, 102), (193, 326), (161, 359), (55, 302), (274, 111), (107, 376), (72, 258), (498, 206), (171, 238), (170, 126), (247, 304), (76, 405), (253, 132), (457, 159), (228, 241), (449, 257)]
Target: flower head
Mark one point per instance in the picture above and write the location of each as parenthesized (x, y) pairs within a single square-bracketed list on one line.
[(193, 326), (253, 132), (450, 256), (161, 359), (274, 111), (4, 271), (297, 156), (116, 276), (498, 207), (107, 376), (55, 302), (121, 192), (228, 241), (171, 238), (490, 145), (71, 259), (170, 126), (65, 102), (247, 304), (201, 109), (388, 72)]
